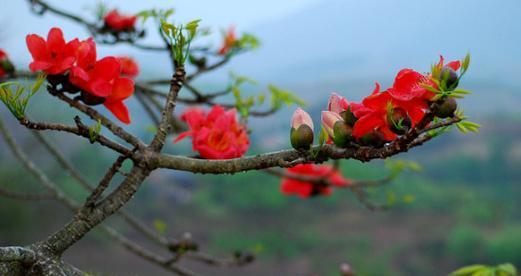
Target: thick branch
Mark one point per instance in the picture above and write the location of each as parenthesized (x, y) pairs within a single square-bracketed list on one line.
[(17, 254), (288, 158)]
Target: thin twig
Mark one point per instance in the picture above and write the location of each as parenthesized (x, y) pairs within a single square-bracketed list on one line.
[(80, 130), (24, 196), (104, 183), (96, 116)]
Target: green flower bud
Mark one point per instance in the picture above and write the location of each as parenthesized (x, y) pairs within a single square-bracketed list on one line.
[(342, 134), (445, 108), (450, 76), (302, 137), (348, 117)]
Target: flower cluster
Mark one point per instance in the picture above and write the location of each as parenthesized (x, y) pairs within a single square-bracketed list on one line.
[(324, 177), (6, 67), (74, 67), (119, 22), (384, 115), (216, 134)]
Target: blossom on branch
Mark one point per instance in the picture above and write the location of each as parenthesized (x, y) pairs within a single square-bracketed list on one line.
[(216, 134), (74, 66), (120, 22), (301, 129), (323, 176), (52, 56)]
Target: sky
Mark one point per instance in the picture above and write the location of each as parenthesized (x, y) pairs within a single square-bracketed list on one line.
[(314, 47), (220, 14)]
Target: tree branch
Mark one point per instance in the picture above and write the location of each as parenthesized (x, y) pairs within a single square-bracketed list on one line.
[(104, 183), (17, 254), (95, 115), (81, 130), (23, 196), (177, 82)]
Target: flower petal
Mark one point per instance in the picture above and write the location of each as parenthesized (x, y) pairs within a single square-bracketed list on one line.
[(119, 109)]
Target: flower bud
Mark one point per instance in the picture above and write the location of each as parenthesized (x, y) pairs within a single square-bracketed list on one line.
[(301, 135), (329, 119), (445, 108), (450, 76), (342, 134), (373, 139), (349, 117), (337, 103), (398, 121)]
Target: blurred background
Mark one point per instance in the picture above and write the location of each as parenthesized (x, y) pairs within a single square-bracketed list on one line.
[(463, 208)]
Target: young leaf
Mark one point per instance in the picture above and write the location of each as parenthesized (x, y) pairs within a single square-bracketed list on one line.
[(469, 270)]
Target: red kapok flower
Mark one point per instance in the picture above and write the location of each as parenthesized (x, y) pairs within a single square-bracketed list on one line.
[(120, 22), (376, 118), (290, 186), (408, 85), (228, 42), (97, 78), (102, 79), (129, 66), (216, 134), (53, 56)]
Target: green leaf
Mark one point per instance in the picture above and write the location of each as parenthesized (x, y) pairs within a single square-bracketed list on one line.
[(17, 100), (508, 269), (280, 96), (192, 27), (38, 83), (465, 63), (248, 42), (469, 270), (94, 131)]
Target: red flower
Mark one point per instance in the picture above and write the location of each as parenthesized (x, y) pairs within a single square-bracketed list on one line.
[(129, 66), (228, 42), (407, 86), (406, 93), (216, 134), (304, 189), (53, 56), (120, 22), (102, 79)]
